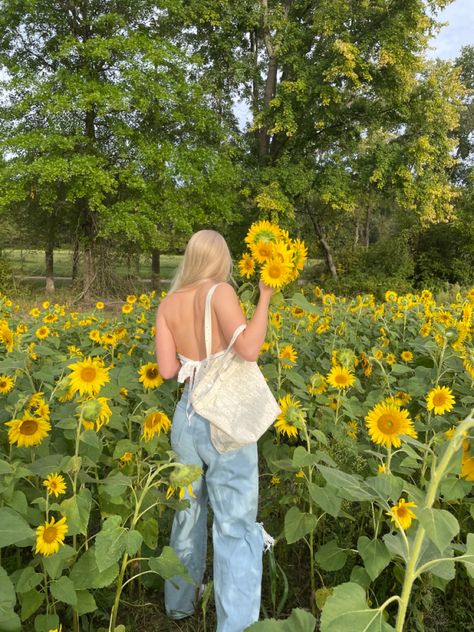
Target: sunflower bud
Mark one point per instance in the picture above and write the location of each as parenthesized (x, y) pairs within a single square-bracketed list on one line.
[(184, 475), (90, 409)]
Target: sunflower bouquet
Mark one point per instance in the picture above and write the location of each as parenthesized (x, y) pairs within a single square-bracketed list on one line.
[(279, 257)]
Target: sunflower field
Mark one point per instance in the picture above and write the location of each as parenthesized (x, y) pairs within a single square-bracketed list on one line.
[(367, 475)]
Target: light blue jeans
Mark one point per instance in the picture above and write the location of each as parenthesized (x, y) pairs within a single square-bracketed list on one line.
[(230, 483)]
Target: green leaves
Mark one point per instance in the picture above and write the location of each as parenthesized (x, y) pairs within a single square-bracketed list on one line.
[(77, 510), (13, 528), (348, 486), (298, 621), (440, 526), (298, 524), (9, 620), (346, 610), (375, 554), (168, 565), (330, 557)]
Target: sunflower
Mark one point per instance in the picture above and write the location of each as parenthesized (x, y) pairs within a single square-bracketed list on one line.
[(35, 312), (6, 384), (108, 339), (440, 400), (382, 468), (298, 312), (50, 318), (386, 422), (406, 356), (57, 629), (99, 305), (27, 431), (154, 424), (94, 335), (467, 464), (276, 320), (391, 359), (50, 535), (263, 251), (246, 266), (126, 457), (55, 484), (288, 355), (300, 253), (43, 332), (352, 429), (339, 377), (88, 376), (391, 296), (317, 384), (425, 330), (127, 308), (401, 514), (150, 376), (291, 419), (7, 337), (276, 273), (262, 230)]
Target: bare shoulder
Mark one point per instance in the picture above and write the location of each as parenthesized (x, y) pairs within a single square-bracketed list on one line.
[(165, 304), (225, 291)]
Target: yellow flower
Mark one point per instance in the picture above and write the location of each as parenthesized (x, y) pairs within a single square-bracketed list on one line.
[(150, 376), (108, 339), (288, 356), (88, 376), (401, 514), (406, 356), (317, 384), (35, 312), (42, 332), (301, 253), (467, 465), (28, 431), (154, 424), (391, 296), (131, 299), (57, 629), (275, 480), (6, 384), (276, 320), (378, 354), (262, 231), (123, 392), (291, 419), (440, 400), (55, 484), (46, 304), (339, 377), (381, 468), (391, 359), (246, 266), (386, 422), (425, 330), (50, 535), (352, 429), (126, 457), (275, 273), (298, 312), (127, 308), (299, 474), (94, 335), (99, 305)]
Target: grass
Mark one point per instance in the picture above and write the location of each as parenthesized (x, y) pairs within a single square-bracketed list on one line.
[(31, 263)]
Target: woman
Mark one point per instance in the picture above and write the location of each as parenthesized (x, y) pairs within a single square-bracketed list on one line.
[(230, 480)]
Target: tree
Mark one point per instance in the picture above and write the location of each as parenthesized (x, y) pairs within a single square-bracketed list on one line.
[(107, 124)]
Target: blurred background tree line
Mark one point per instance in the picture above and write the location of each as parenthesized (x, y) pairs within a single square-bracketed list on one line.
[(120, 136)]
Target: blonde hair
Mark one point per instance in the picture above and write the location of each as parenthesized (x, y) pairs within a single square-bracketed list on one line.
[(206, 256)]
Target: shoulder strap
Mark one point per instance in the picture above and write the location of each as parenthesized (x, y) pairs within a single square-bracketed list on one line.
[(208, 321)]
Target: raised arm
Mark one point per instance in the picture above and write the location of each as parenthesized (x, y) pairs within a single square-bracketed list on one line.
[(165, 348), (229, 315)]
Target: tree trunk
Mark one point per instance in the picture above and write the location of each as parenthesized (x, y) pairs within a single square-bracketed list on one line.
[(326, 247), (75, 259), (270, 82), (155, 269), (49, 264)]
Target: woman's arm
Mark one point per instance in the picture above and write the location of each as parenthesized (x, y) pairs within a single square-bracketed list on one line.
[(165, 348), (229, 315)]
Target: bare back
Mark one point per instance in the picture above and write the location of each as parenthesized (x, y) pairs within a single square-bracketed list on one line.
[(183, 311)]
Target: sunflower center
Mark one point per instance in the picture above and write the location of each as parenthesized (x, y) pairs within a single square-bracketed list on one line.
[(152, 373), (265, 249), (88, 374), (152, 421), (402, 512), (29, 427), (439, 399), (53, 484), (3, 383), (387, 424), (340, 378), (50, 534)]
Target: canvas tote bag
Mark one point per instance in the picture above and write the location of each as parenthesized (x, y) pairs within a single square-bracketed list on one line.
[(231, 393)]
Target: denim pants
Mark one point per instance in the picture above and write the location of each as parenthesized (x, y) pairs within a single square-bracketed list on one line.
[(230, 483)]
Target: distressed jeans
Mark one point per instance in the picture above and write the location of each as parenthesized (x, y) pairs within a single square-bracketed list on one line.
[(230, 483)]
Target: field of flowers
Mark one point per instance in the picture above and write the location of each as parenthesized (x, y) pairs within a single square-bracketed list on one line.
[(369, 467)]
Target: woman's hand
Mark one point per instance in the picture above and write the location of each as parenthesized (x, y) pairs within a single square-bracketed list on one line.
[(265, 289)]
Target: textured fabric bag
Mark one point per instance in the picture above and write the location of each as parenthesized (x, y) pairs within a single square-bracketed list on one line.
[(231, 393)]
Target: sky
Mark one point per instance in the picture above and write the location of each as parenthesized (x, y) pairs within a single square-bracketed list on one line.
[(459, 31)]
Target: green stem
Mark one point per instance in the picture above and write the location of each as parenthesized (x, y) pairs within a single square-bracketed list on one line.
[(411, 571), (118, 592)]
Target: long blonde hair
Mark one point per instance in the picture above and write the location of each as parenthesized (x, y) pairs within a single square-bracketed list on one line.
[(206, 256)]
